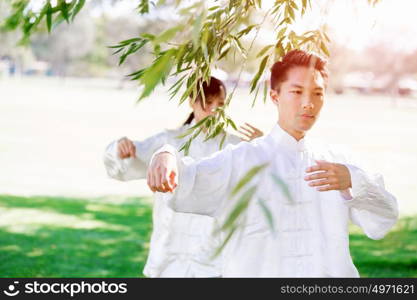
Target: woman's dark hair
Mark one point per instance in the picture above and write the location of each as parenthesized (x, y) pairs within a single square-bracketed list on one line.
[(189, 119), (214, 88)]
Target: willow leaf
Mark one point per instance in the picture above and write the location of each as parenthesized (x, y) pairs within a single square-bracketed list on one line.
[(323, 48), (225, 242), (284, 188), (240, 207), (49, 17), (77, 8), (247, 177), (155, 73), (259, 73), (267, 212), (264, 50), (167, 35)]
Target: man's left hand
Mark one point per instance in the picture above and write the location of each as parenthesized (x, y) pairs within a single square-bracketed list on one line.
[(328, 176)]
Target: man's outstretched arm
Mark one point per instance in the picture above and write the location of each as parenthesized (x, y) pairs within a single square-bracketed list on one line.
[(372, 207)]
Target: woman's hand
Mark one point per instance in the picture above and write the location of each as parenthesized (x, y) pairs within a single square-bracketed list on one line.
[(250, 132), (126, 148), (162, 173)]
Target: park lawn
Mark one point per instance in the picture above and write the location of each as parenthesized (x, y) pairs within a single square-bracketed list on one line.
[(67, 237)]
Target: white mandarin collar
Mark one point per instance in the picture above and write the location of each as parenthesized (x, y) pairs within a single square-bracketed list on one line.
[(284, 139)]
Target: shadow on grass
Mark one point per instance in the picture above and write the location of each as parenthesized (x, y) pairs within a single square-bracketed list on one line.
[(116, 248)]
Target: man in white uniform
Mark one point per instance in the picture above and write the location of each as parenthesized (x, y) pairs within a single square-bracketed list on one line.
[(326, 190)]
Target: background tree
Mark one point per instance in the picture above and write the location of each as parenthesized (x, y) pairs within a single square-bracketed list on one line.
[(65, 44)]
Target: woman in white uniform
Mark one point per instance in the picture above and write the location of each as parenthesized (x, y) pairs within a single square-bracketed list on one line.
[(182, 244)]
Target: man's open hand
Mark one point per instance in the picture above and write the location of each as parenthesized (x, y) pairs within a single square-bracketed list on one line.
[(328, 176)]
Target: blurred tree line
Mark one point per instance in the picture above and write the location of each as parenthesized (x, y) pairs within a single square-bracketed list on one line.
[(79, 48)]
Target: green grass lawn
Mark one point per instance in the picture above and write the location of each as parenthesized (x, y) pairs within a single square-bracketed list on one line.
[(61, 237), (65, 237)]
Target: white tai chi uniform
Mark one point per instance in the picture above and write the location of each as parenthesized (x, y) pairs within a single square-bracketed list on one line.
[(311, 237), (182, 244)]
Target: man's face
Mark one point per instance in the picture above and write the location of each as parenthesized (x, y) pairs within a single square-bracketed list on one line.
[(299, 99)]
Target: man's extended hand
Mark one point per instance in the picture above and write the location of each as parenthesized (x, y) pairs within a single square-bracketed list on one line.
[(162, 173), (329, 176)]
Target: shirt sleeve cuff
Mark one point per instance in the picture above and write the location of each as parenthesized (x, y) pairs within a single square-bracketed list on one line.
[(165, 148), (357, 193), (114, 165)]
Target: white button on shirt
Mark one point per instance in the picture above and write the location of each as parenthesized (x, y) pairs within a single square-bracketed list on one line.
[(311, 236)]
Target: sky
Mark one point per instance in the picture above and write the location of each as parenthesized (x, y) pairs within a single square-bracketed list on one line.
[(357, 24)]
